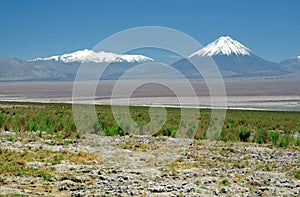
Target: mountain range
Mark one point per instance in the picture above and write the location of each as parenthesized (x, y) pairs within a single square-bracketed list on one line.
[(232, 58)]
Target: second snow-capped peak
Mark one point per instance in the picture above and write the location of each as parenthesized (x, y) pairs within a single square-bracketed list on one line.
[(87, 55), (223, 46)]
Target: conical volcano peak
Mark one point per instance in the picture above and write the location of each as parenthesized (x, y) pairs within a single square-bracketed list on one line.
[(224, 45)]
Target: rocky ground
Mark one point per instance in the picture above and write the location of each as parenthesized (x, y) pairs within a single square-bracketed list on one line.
[(150, 166)]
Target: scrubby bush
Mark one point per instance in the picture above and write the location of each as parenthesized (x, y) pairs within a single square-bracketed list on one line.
[(244, 135), (2, 119), (273, 137), (284, 141), (260, 136), (224, 135), (173, 132), (297, 174), (225, 182), (112, 130), (259, 139)]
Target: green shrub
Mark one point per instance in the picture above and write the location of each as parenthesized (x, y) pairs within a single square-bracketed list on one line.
[(241, 122), (224, 135), (232, 123), (11, 139), (44, 175), (173, 132), (259, 126), (273, 136), (203, 136), (164, 131), (47, 121), (232, 137), (57, 159), (67, 128), (259, 139), (297, 142), (260, 136), (112, 130), (297, 174), (244, 135), (225, 182), (33, 126), (284, 141), (2, 119), (16, 124)]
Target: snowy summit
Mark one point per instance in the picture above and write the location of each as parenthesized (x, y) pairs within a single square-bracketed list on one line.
[(87, 55), (223, 46)]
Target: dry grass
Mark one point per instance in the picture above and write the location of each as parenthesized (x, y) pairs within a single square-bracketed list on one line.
[(16, 163)]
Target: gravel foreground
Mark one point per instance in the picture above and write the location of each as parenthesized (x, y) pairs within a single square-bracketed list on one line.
[(155, 166)]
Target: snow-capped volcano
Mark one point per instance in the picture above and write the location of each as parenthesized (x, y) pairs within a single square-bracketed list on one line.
[(87, 55), (232, 58), (223, 46)]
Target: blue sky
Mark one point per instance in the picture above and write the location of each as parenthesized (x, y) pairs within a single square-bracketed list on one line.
[(33, 28)]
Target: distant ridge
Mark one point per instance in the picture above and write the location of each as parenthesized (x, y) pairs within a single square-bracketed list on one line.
[(87, 55), (232, 58)]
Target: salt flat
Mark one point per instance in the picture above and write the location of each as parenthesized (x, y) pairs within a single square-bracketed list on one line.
[(249, 93)]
